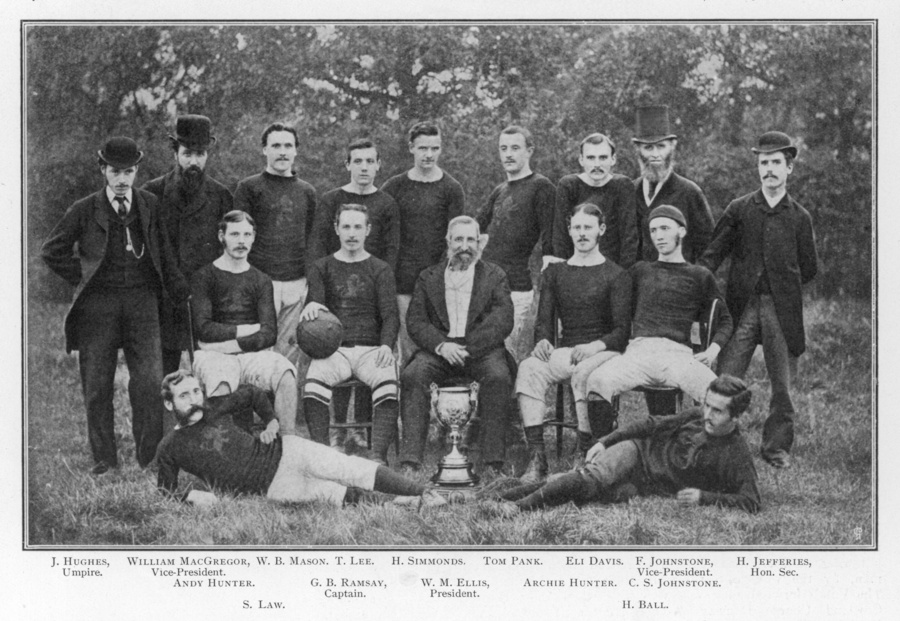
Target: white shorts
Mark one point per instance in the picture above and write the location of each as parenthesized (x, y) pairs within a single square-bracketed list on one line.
[(310, 471), (263, 369), (347, 362), (290, 298), (656, 362), (535, 375)]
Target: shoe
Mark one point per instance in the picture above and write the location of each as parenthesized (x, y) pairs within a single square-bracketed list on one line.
[(497, 487), (537, 469), (502, 509), (579, 461), (427, 500), (410, 469), (101, 467), (777, 459), (491, 472)]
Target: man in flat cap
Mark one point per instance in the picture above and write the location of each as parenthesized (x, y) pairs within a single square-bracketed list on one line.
[(191, 204), (770, 240), (659, 184), (123, 261), (669, 295)]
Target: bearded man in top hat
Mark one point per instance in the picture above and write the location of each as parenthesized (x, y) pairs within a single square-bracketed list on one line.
[(659, 184), (191, 205), (123, 261), (772, 246)]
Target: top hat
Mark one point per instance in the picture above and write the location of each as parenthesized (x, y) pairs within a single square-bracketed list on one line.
[(652, 125), (193, 131), (775, 141), (120, 152)]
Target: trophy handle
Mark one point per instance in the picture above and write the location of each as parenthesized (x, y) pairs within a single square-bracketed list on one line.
[(434, 403), (473, 399)]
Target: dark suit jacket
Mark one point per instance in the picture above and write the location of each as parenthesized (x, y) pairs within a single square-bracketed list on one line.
[(86, 224), (490, 318), (781, 241), (689, 199), (192, 228)]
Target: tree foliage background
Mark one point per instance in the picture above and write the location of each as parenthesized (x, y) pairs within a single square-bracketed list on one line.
[(725, 84)]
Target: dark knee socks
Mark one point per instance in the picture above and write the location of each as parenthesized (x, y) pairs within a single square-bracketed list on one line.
[(384, 424), (602, 418), (534, 436), (317, 421), (390, 482), (569, 487)]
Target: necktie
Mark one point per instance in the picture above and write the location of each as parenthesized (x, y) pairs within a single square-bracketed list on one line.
[(121, 208)]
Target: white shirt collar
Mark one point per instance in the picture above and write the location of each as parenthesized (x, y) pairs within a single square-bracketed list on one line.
[(774, 201), (112, 196)]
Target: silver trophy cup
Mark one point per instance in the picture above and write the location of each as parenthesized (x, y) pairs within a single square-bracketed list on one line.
[(454, 407)]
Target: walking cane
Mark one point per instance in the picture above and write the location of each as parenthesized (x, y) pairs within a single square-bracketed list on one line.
[(190, 332)]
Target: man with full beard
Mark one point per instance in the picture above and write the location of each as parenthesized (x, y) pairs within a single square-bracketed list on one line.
[(659, 185), (191, 205), (207, 443), (461, 312)]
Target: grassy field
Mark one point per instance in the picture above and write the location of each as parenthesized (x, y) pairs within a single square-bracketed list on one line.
[(824, 499)]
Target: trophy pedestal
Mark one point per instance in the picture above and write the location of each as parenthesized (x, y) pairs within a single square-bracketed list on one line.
[(455, 471)]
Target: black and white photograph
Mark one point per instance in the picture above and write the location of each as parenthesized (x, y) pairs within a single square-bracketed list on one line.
[(484, 314)]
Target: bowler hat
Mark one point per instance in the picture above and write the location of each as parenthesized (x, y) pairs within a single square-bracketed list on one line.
[(667, 211), (193, 131), (120, 152), (652, 125), (775, 141)]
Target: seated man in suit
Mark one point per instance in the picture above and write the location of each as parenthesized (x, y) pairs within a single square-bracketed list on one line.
[(669, 295), (359, 289), (461, 312), (591, 296), (234, 321)]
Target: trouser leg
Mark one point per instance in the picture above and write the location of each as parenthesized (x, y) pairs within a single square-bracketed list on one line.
[(171, 360), (778, 431), (143, 355), (493, 376), (415, 407), (99, 334)]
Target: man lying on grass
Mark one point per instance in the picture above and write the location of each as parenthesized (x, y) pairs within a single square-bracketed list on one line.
[(208, 444), (698, 455)]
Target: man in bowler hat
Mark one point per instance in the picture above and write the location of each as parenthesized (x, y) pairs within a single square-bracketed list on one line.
[(659, 184), (770, 240), (119, 269), (191, 203)]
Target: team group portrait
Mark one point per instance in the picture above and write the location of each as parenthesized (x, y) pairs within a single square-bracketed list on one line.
[(449, 285)]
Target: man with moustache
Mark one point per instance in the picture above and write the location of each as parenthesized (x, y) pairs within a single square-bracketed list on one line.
[(611, 192), (234, 322), (658, 185), (283, 205), (518, 214), (591, 297), (358, 289), (427, 199), (699, 456), (669, 295), (191, 204), (459, 316), (382, 242), (207, 444), (770, 240), (111, 246)]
